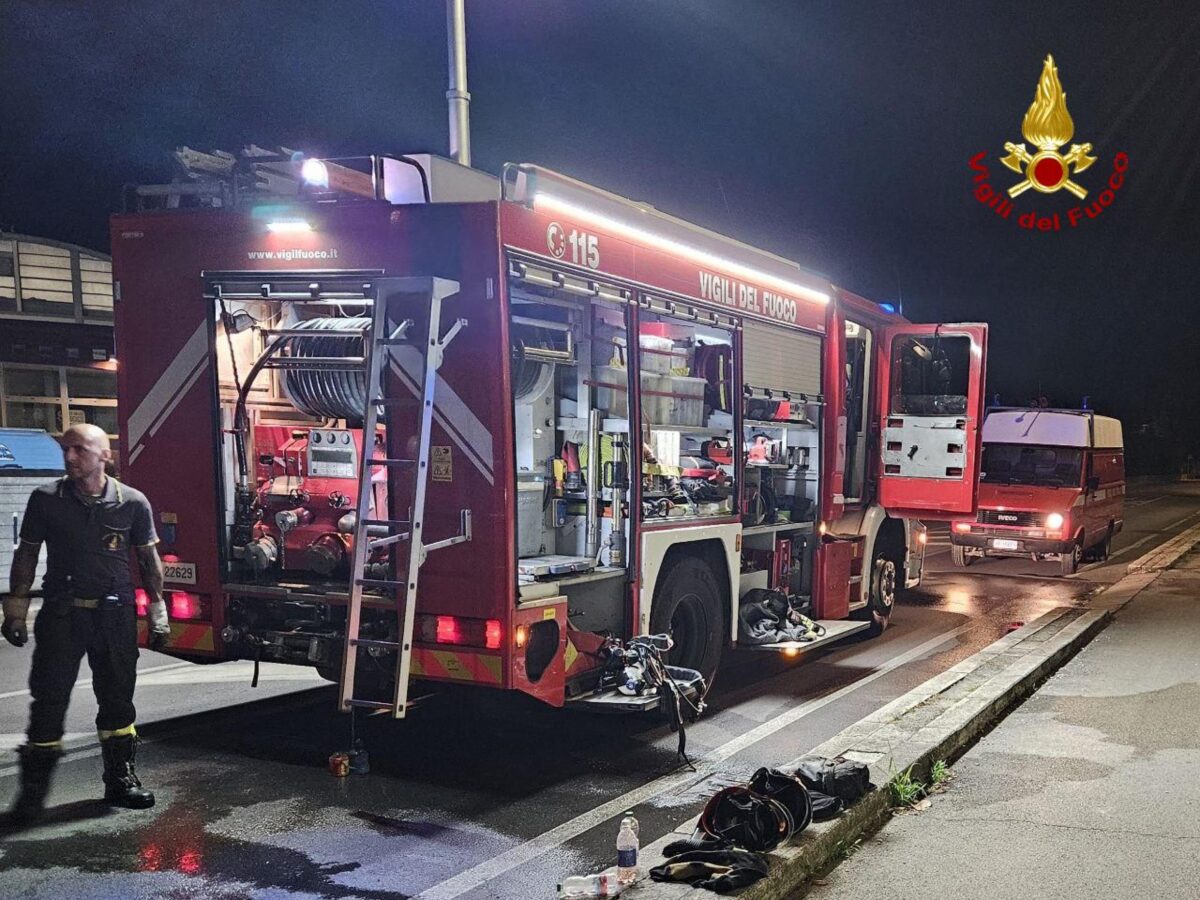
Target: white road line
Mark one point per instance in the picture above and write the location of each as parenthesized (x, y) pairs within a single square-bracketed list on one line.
[(86, 681), (1151, 537), (706, 765)]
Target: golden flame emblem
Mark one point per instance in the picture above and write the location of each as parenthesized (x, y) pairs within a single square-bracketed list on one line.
[(1047, 125)]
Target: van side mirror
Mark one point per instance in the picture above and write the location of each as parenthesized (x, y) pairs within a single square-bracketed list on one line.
[(1093, 483)]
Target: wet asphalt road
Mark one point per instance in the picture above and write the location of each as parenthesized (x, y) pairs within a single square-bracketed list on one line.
[(495, 799)]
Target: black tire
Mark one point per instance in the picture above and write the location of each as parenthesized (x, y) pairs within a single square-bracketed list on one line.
[(887, 581), (1069, 562), (960, 557), (688, 606)]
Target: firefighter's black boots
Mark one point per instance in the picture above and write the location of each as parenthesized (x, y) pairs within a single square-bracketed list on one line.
[(121, 785), (37, 767)]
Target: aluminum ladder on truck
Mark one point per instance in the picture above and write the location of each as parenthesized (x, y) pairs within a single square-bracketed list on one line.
[(388, 333)]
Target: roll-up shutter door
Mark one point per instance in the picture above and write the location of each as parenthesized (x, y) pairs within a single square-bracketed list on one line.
[(781, 359)]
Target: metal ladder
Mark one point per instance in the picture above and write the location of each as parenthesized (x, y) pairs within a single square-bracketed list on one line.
[(387, 333)]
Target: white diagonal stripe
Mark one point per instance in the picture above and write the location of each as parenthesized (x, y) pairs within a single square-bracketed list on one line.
[(450, 411), (168, 385)]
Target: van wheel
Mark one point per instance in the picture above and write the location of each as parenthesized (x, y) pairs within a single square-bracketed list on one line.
[(687, 606), (960, 557), (1105, 549), (1070, 561), (885, 584)]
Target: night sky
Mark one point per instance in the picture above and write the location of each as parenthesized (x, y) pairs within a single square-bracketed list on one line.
[(837, 134)]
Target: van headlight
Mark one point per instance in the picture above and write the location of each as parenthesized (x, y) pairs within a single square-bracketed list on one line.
[(1054, 521)]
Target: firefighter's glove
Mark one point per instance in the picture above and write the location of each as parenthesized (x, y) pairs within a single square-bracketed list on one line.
[(160, 628), (14, 629)]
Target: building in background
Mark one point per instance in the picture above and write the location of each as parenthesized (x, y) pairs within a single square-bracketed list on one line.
[(56, 336)]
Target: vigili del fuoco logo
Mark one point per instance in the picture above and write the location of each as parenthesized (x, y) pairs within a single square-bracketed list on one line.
[(1048, 127)]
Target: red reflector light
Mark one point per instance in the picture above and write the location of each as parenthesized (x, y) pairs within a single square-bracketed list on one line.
[(184, 605), (142, 600), (448, 630), (492, 634), (170, 557)]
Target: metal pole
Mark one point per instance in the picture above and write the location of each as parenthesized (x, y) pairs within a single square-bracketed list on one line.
[(457, 97), (592, 524)]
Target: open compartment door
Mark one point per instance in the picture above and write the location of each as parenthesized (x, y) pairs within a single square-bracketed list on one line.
[(931, 416)]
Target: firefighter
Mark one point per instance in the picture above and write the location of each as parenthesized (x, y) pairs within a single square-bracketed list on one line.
[(90, 523)]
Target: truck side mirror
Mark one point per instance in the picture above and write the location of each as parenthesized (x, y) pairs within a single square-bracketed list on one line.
[(1093, 483)]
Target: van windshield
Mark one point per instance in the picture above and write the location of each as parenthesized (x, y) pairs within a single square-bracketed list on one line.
[(1031, 464)]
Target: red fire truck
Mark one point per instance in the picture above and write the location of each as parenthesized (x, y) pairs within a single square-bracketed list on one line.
[(402, 422)]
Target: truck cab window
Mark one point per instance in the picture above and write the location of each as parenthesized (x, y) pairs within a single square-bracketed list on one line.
[(930, 375)]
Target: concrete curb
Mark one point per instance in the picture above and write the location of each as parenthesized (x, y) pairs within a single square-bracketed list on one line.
[(935, 721)]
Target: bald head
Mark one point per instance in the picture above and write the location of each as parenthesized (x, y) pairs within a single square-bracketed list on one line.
[(86, 449)]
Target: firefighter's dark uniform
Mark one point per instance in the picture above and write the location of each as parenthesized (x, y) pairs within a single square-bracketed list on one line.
[(88, 609)]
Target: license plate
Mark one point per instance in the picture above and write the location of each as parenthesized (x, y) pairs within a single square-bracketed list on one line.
[(1000, 544), (179, 572)]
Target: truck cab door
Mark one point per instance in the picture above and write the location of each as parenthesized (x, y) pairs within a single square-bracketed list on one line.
[(931, 414)]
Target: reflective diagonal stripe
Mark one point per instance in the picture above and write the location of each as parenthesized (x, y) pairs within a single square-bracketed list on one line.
[(184, 636), (456, 666), (173, 380), (449, 410)]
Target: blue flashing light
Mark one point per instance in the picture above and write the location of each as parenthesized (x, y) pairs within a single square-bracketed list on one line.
[(887, 307)]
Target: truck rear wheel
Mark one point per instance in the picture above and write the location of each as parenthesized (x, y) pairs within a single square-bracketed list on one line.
[(688, 606), (960, 557)]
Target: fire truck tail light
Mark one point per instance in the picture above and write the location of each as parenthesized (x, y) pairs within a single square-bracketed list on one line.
[(492, 634), (186, 606), (482, 634), (448, 630), (141, 600)]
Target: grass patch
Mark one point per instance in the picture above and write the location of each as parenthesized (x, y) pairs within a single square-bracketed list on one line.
[(907, 790), (940, 773)]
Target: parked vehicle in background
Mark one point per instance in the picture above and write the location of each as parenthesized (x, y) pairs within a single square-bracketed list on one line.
[(1051, 485)]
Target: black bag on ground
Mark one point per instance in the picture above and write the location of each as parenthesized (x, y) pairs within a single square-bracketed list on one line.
[(845, 779), (824, 807)]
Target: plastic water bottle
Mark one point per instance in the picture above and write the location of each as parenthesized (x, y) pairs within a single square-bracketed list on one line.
[(578, 887), (627, 850)]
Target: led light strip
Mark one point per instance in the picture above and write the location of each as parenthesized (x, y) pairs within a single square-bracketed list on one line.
[(542, 200)]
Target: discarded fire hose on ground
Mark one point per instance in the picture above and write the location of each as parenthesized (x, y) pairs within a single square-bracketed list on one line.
[(639, 668)]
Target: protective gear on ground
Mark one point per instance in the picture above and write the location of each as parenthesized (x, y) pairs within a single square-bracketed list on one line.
[(721, 871), (767, 617)]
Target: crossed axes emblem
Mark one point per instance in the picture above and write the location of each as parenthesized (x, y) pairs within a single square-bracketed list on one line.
[(1047, 170)]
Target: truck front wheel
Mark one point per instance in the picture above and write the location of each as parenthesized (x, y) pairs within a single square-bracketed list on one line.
[(887, 580), (687, 606)]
